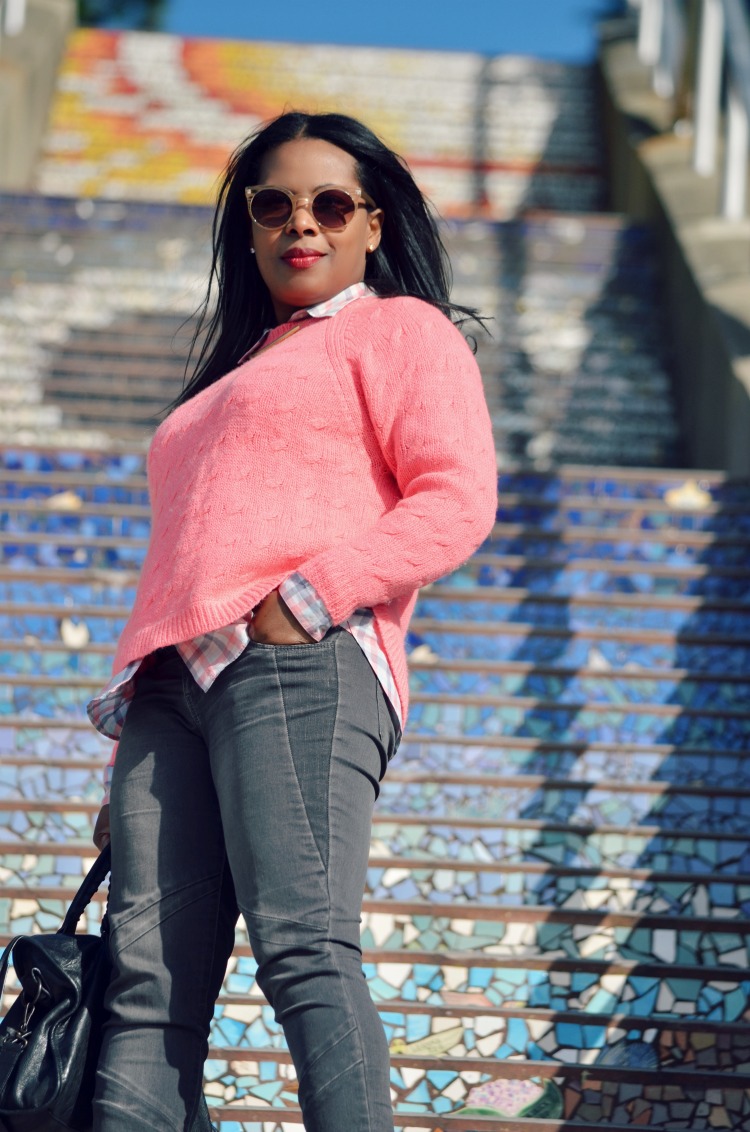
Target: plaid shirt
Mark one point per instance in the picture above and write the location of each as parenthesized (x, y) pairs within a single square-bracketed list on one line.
[(208, 655)]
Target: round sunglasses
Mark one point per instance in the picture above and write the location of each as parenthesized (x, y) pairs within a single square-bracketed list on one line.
[(332, 208)]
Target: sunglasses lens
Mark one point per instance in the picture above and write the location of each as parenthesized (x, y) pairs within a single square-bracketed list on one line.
[(271, 208), (333, 209)]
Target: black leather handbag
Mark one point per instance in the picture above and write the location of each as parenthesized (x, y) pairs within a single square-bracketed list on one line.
[(50, 1037)]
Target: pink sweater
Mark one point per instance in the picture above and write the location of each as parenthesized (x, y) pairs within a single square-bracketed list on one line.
[(358, 451)]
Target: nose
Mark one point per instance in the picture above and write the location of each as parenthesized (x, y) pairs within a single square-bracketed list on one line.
[(302, 220)]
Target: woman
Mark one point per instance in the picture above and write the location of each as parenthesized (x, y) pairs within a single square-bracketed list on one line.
[(332, 454)]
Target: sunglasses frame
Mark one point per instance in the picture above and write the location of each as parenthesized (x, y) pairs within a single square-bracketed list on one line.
[(308, 202)]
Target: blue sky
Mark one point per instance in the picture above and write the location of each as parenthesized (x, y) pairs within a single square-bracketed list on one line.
[(553, 29)]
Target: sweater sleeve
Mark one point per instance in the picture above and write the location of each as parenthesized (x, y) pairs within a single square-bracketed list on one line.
[(423, 394)]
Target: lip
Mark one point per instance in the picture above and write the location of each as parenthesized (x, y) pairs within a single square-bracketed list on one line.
[(300, 258)]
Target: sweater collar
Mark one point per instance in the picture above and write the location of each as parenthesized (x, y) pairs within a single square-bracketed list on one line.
[(327, 309)]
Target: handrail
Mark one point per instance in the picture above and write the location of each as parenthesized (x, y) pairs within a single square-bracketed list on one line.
[(12, 17), (661, 42), (723, 46)]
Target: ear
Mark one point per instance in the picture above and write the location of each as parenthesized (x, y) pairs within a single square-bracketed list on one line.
[(375, 221)]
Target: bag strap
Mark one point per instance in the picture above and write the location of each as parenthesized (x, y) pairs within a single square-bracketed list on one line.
[(91, 883), (4, 960)]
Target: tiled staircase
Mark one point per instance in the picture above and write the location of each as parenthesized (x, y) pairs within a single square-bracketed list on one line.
[(556, 915), (555, 927)]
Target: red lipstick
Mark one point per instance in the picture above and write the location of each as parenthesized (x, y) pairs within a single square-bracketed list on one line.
[(300, 258)]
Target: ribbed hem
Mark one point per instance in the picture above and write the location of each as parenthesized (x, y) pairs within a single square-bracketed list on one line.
[(138, 640)]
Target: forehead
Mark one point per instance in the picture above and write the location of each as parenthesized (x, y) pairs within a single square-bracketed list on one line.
[(306, 163)]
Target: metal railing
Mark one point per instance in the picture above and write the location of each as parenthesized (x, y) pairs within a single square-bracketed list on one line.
[(721, 82), (12, 17)]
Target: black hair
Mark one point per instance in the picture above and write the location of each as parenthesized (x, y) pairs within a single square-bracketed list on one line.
[(410, 259)]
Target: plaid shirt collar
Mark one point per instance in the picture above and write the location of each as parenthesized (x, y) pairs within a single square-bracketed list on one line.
[(327, 309)]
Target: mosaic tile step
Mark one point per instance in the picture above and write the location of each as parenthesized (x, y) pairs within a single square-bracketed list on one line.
[(564, 803), (635, 995), (25, 552), (519, 395), (491, 606), (691, 549), (22, 744), (594, 765), (83, 525), (638, 436), (607, 649), (26, 752), (58, 489), (116, 465), (409, 879), (597, 649), (588, 723), (519, 445), (478, 579), (692, 809), (574, 1042), (601, 578), (612, 487), (547, 850), (59, 663), (687, 503), (610, 482), (539, 622), (534, 355), (114, 588), (71, 494), (671, 1090), (567, 686), (549, 938), (418, 1003), (44, 676), (490, 716), (619, 538), (422, 1017), (457, 595), (263, 1118), (621, 611), (67, 512), (504, 932), (25, 622), (552, 845)]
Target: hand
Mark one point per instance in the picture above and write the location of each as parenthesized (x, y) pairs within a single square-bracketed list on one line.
[(101, 829), (274, 624)]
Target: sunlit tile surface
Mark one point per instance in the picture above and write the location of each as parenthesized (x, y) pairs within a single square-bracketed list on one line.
[(560, 860)]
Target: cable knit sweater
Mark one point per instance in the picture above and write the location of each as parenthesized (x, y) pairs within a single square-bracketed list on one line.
[(358, 451)]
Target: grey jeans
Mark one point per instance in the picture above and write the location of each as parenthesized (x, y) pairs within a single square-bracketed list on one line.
[(256, 795)]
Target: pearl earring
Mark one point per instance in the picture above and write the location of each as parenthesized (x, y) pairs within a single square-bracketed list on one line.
[(252, 251)]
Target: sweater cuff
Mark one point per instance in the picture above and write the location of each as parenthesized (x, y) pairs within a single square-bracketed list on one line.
[(306, 605)]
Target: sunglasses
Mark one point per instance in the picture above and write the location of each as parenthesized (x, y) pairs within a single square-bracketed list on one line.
[(332, 208)]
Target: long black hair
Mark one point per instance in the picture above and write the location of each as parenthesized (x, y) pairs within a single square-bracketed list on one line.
[(410, 259)]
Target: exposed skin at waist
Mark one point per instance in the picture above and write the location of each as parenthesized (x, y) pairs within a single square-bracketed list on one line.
[(273, 623)]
